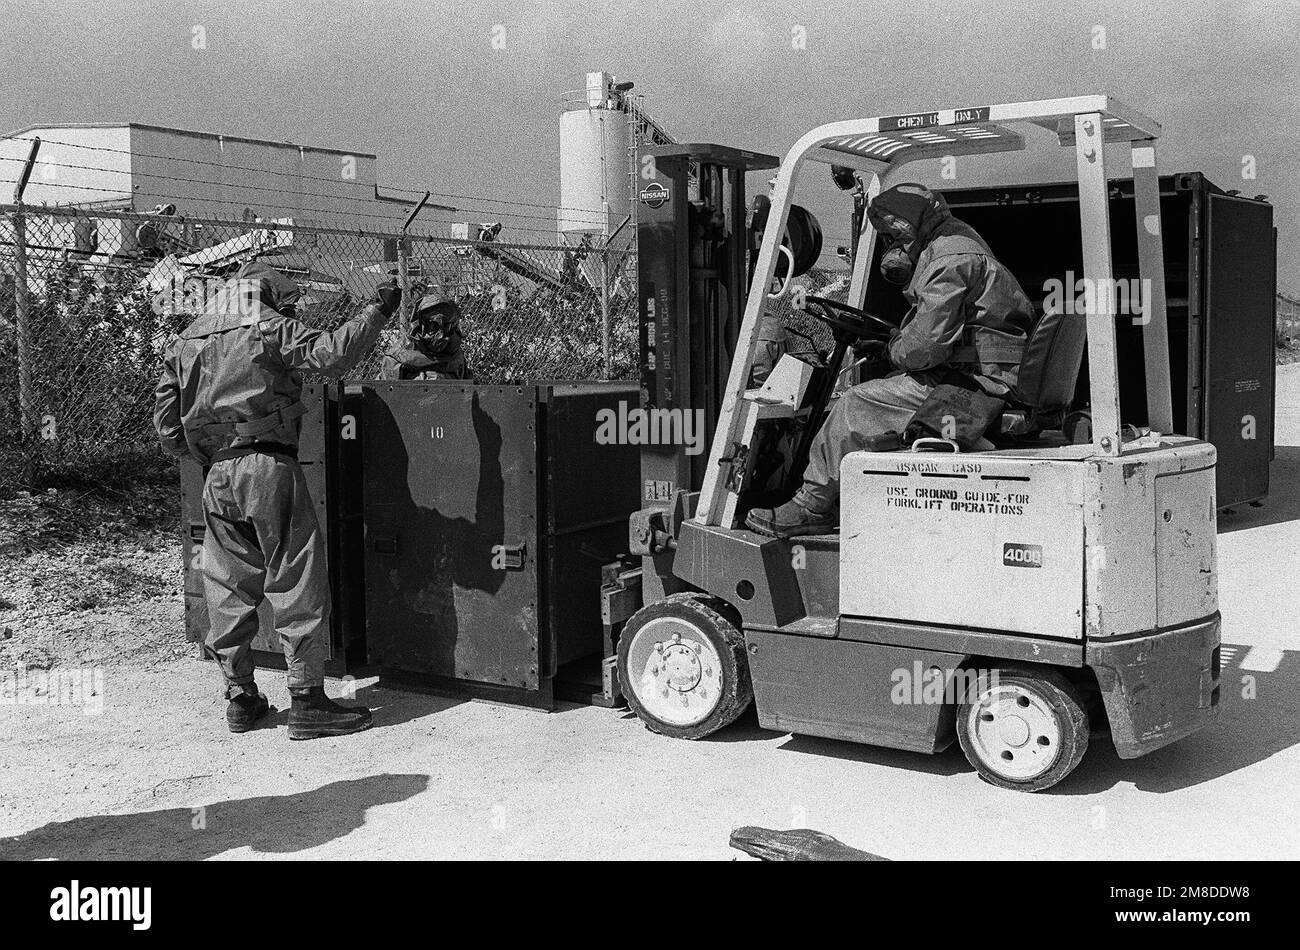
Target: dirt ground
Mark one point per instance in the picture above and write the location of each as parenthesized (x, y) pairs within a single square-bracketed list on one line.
[(90, 579), (136, 761)]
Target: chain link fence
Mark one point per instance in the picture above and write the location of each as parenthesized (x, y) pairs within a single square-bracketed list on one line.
[(90, 300), (805, 336)]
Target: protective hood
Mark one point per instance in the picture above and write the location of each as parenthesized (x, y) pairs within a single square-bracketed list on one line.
[(909, 213), (274, 290), (435, 325)]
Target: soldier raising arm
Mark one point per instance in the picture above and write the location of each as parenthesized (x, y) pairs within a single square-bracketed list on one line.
[(230, 398)]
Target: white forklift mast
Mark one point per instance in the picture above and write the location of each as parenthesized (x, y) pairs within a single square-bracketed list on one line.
[(1012, 598), (882, 146)]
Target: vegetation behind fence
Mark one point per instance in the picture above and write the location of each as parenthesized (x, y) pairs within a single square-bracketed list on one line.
[(89, 301)]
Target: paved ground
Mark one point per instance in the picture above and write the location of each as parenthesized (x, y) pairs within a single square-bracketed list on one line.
[(155, 775)]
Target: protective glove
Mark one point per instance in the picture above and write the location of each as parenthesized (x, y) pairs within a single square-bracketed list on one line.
[(872, 350), (388, 297), (872, 359)]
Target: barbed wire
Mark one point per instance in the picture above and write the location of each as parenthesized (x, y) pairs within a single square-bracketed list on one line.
[(296, 176), (244, 204), (276, 191), (243, 226), (498, 213)]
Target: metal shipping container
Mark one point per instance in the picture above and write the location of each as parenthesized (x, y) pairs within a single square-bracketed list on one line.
[(488, 512), (1220, 271)]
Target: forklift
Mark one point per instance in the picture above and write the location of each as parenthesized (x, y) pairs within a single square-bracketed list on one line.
[(1055, 580)]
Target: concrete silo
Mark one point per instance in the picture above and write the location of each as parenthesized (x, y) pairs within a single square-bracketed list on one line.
[(595, 161)]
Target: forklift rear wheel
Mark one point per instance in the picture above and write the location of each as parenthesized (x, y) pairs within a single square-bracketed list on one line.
[(682, 666), (1024, 728)]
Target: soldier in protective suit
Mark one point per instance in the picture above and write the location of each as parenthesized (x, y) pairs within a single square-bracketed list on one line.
[(229, 397), (969, 317), (433, 349)]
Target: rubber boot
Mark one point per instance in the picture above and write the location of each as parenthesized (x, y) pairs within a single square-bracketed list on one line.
[(246, 707), (312, 714), (791, 520)]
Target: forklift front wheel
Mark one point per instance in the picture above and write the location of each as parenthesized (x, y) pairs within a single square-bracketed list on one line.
[(682, 666), (1023, 728)]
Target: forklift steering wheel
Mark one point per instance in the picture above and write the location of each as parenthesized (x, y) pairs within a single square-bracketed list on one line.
[(842, 318)]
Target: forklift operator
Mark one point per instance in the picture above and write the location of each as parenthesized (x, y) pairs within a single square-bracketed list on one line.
[(968, 316), (230, 398)]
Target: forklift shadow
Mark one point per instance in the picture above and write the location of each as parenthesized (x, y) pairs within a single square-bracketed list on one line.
[(271, 824), (1259, 717), (747, 729), (1283, 501), (947, 763), (744, 729)]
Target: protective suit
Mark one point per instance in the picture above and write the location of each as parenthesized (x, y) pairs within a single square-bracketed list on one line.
[(968, 315), (434, 349), (229, 397)]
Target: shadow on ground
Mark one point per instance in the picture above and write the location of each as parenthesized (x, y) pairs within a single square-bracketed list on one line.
[(391, 707), (948, 762), (276, 824), (1259, 717)]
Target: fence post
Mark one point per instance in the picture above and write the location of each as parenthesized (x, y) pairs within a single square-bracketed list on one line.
[(404, 269), (22, 319), (605, 345), (404, 281), (606, 331)]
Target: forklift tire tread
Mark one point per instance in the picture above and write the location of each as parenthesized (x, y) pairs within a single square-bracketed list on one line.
[(720, 623), (1067, 700)]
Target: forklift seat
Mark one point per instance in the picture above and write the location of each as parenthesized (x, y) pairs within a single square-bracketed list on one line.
[(1049, 373)]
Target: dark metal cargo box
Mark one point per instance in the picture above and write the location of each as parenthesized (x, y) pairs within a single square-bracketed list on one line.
[(328, 450), (1220, 273), (488, 513)]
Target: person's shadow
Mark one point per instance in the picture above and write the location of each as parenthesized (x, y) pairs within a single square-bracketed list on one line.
[(273, 824)]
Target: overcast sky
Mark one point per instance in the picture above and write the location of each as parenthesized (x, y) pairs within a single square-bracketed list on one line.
[(421, 84)]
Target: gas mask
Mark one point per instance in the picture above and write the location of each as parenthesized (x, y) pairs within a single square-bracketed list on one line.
[(436, 330), (896, 264)]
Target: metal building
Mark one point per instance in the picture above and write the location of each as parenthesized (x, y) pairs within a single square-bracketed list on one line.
[(135, 166)]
